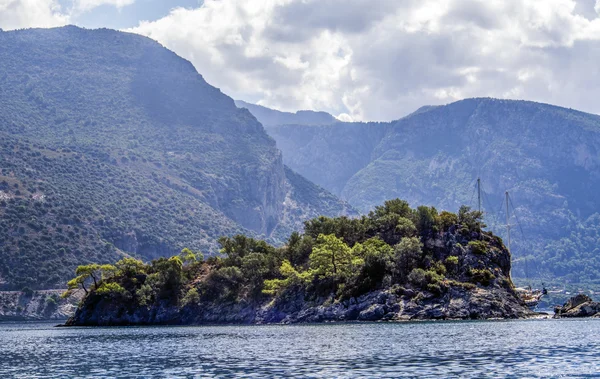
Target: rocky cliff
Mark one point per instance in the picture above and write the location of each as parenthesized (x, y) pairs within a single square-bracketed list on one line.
[(36, 305)]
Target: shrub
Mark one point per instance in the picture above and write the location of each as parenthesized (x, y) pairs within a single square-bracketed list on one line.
[(439, 268), (478, 247), (483, 276), (447, 220), (191, 297), (111, 289), (451, 261), (422, 278)]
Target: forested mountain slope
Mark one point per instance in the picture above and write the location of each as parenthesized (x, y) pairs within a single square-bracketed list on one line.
[(547, 157), (111, 144)]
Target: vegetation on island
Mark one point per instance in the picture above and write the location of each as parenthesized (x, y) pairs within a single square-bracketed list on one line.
[(395, 246)]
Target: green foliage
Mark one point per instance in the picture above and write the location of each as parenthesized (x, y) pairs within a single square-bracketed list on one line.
[(471, 220), (478, 247), (483, 276), (439, 268), (299, 248), (290, 278), (447, 220), (426, 279), (331, 258), (187, 256), (130, 267), (192, 297), (426, 220), (111, 289), (405, 227), (451, 263), (408, 255), (224, 283)]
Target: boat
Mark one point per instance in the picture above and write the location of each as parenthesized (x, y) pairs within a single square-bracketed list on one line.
[(531, 297)]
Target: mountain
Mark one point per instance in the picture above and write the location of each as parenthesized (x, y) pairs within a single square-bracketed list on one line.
[(269, 116), (111, 145), (547, 157)]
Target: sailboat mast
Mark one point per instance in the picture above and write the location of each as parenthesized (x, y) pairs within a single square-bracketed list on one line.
[(479, 194), (507, 220)]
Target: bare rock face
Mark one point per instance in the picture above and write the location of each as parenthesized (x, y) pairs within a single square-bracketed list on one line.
[(36, 305), (578, 306)]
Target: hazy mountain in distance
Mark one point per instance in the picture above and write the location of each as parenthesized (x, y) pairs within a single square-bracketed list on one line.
[(112, 145), (270, 117), (547, 157)]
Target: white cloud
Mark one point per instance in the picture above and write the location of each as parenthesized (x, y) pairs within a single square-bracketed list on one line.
[(344, 117), (87, 5), (16, 14), (372, 59), (365, 59)]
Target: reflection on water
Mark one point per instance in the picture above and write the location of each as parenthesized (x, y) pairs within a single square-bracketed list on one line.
[(536, 348)]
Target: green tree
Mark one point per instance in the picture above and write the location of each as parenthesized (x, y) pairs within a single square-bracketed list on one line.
[(130, 267), (405, 227), (447, 220), (187, 256), (426, 220), (291, 277), (408, 255), (331, 257), (472, 220)]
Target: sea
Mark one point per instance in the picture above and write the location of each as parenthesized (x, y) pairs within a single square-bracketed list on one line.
[(463, 349)]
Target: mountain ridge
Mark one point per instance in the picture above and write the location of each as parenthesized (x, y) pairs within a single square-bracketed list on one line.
[(546, 156), (112, 145), (274, 117)]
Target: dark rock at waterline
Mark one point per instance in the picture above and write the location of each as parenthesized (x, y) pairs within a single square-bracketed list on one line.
[(383, 305), (578, 306)]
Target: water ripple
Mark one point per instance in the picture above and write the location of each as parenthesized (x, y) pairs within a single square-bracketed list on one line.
[(515, 349)]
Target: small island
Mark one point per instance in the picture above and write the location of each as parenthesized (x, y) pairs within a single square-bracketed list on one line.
[(397, 263)]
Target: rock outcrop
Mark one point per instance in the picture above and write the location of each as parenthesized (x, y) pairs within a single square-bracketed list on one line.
[(578, 306)]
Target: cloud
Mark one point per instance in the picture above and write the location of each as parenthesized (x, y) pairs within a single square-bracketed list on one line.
[(87, 5), (372, 59), (380, 60), (15, 14)]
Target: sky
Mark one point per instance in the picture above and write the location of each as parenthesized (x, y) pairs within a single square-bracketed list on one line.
[(363, 60)]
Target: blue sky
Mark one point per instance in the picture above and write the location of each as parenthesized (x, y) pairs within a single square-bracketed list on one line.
[(128, 16), (361, 59)]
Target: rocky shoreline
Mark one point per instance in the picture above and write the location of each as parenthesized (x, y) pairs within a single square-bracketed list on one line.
[(385, 305), (578, 306)]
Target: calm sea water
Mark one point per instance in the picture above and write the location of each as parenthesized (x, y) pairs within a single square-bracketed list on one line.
[(535, 348)]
